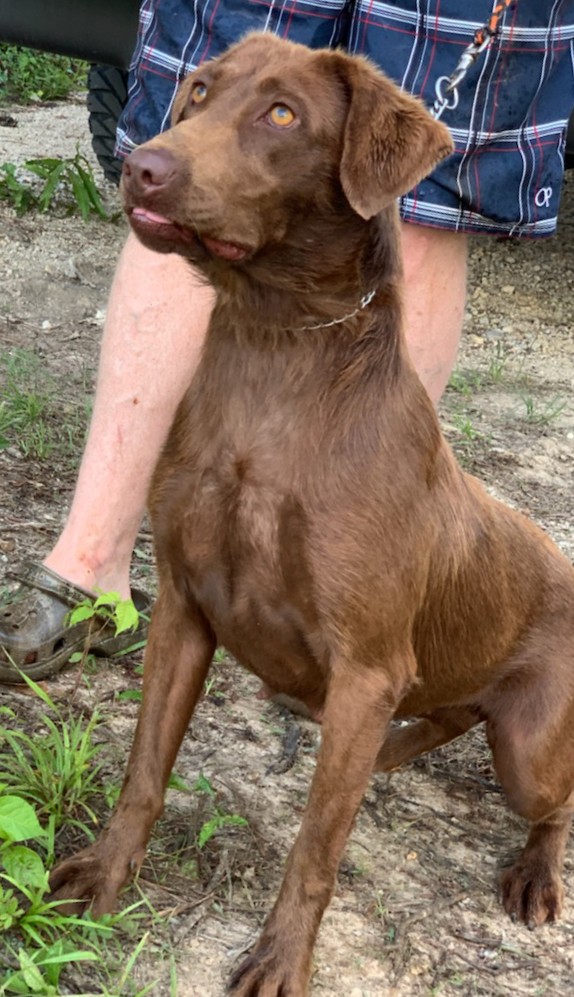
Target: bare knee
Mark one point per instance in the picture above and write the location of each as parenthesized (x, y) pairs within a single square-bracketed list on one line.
[(423, 247)]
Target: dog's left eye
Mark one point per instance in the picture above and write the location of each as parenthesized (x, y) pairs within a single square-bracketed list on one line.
[(281, 116), (198, 93)]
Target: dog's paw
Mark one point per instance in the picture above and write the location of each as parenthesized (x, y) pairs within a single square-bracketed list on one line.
[(267, 972), (532, 892), (88, 879)]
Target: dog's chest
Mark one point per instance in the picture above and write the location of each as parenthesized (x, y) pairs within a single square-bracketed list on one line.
[(233, 522)]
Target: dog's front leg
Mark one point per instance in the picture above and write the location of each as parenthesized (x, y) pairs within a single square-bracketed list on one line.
[(359, 706), (177, 659)]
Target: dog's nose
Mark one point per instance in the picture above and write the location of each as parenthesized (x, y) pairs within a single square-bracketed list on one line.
[(148, 170)]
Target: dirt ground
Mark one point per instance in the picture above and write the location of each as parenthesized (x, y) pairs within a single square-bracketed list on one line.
[(416, 909)]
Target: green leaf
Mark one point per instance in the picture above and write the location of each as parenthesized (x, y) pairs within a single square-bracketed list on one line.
[(30, 972), (45, 166), (131, 695), (18, 822), (175, 781), (109, 599), (9, 908), (38, 691), (136, 646), (212, 826), (25, 867), (80, 194), (207, 831), (203, 785), (126, 616), (91, 189), (85, 611), (80, 955), (47, 195)]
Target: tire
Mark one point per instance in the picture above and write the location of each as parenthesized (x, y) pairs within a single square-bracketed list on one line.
[(107, 95)]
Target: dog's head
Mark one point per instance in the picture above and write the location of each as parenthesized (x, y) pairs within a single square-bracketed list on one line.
[(266, 138)]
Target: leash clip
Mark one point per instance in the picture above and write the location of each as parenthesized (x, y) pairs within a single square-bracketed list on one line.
[(444, 87)]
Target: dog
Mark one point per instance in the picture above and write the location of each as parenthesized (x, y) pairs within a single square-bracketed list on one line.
[(306, 511)]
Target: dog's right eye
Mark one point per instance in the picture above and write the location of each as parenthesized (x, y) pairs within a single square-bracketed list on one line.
[(198, 93), (281, 116)]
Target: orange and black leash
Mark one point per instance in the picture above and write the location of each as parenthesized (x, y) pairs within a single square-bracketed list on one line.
[(447, 86)]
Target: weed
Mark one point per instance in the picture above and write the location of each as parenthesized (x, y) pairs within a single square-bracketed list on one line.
[(57, 773), (25, 400), (218, 819), (18, 194), (542, 414), (211, 690), (466, 427), (465, 382), (67, 181), (37, 940), (27, 75), (129, 696), (30, 411), (468, 439), (107, 606), (24, 908), (497, 365), (46, 782), (381, 910)]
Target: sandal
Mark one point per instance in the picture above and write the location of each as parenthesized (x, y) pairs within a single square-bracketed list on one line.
[(34, 633)]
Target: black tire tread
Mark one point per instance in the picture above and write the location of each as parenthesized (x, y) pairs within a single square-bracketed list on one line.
[(107, 95)]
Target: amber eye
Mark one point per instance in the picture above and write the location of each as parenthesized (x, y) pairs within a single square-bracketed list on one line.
[(198, 93), (281, 116)]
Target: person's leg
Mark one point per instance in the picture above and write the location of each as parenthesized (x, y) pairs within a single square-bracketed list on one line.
[(435, 265), (155, 324)]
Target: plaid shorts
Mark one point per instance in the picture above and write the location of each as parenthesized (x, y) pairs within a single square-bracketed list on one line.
[(509, 126)]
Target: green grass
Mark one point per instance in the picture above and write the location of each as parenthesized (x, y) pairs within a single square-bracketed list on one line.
[(33, 417), (55, 770), (465, 382), (53, 793), (48, 781), (27, 75), (542, 413)]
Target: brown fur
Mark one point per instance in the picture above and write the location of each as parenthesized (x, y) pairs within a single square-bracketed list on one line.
[(307, 512)]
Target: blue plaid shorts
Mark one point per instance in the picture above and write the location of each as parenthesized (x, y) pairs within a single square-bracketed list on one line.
[(509, 126)]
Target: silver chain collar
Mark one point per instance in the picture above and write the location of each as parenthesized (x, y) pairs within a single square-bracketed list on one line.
[(363, 303)]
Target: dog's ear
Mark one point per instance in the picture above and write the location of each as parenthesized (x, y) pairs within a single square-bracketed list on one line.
[(390, 140)]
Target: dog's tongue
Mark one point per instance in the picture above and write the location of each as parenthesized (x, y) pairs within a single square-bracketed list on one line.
[(227, 250), (151, 216)]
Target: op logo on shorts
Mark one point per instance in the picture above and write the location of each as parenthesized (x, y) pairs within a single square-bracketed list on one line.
[(543, 197)]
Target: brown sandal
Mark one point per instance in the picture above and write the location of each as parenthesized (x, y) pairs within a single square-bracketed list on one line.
[(34, 634)]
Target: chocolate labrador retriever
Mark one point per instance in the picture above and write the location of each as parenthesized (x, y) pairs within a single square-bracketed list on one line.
[(307, 513)]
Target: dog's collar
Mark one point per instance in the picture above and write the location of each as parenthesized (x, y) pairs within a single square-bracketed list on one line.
[(363, 303)]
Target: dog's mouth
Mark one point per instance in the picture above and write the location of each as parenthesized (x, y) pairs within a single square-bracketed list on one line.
[(149, 223)]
